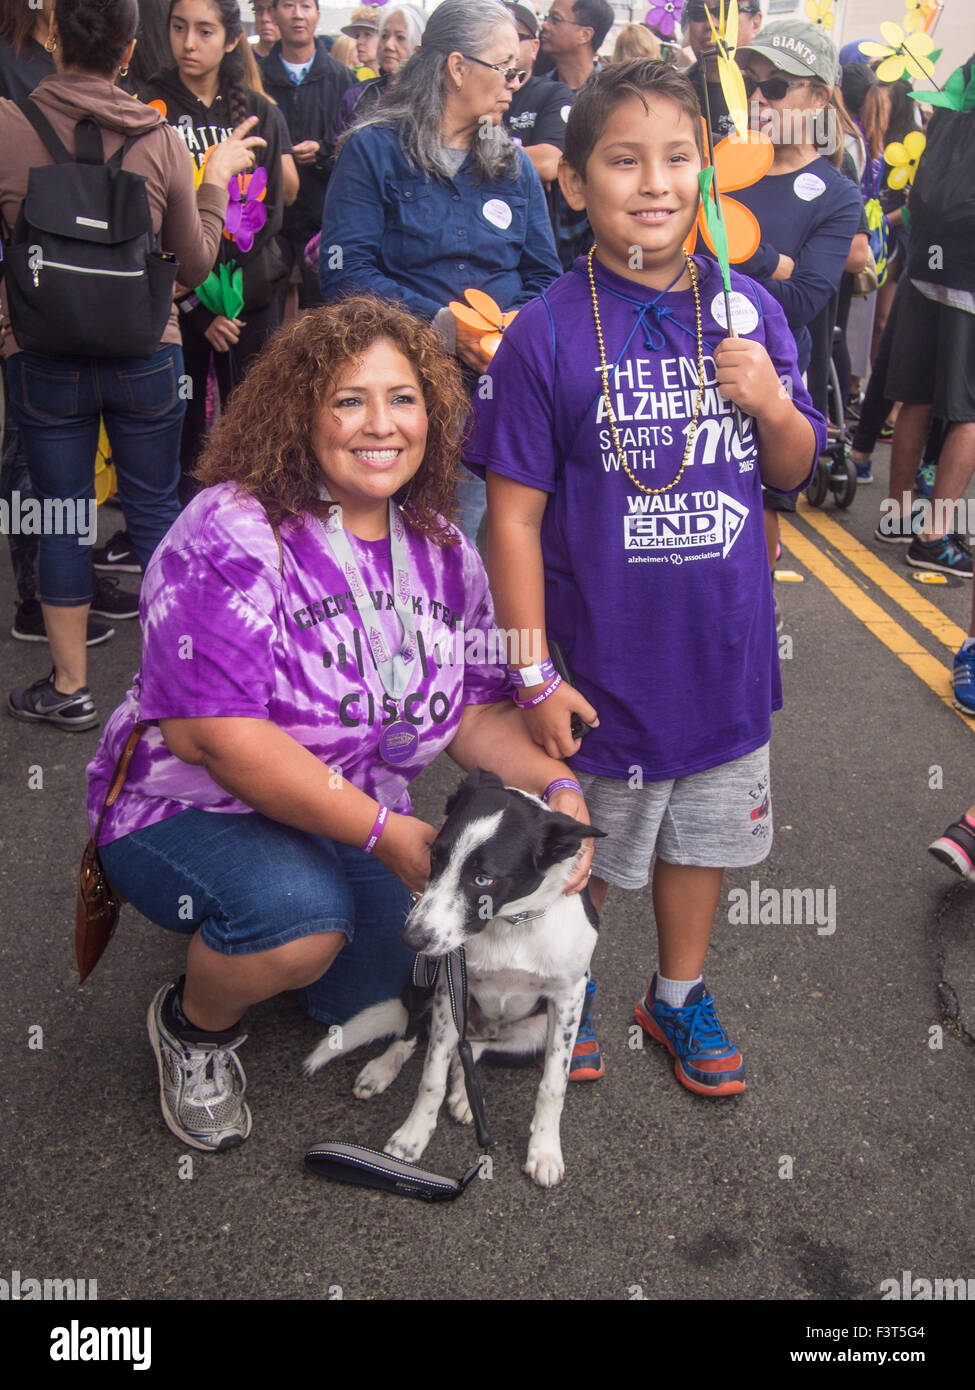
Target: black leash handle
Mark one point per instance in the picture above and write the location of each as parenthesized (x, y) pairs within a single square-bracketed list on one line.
[(425, 973)]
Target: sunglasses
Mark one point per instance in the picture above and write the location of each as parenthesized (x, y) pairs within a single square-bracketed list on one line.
[(773, 88), (510, 74)]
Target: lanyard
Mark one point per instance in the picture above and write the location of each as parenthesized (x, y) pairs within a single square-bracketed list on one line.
[(394, 668)]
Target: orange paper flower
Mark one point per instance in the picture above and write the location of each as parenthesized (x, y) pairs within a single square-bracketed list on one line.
[(738, 163), (484, 316)]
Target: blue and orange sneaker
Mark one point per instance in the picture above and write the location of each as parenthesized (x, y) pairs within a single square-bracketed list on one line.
[(586, 1063), (705, 1059)]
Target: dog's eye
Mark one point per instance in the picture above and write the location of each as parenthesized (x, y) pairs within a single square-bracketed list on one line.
[(482, 881)]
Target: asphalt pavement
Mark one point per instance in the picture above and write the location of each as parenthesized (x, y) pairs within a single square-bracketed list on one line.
[(847, 1161)]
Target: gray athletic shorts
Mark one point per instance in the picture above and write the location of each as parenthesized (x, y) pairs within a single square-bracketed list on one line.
[(717, 819)]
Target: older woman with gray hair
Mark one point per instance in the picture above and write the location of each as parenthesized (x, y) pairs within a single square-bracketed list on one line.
[(400, 32), (430, 197)]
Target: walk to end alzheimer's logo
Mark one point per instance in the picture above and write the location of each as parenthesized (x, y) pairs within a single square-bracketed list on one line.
[(706, 522)]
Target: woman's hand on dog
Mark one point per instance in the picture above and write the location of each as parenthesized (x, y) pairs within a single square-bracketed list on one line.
[(570, 803), (404, 847), (550, 723)]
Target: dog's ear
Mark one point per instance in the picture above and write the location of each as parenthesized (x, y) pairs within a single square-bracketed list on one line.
[(559, 837), (475, 781)]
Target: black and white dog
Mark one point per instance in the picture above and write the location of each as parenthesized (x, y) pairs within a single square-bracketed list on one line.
[(498, 868)]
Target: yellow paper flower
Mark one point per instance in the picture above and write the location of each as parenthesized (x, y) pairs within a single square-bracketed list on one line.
[(725, 37), (821, 12), (902, 156), (901, 55), (919, 16)]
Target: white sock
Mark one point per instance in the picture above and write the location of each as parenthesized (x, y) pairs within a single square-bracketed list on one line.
[(674, 992)]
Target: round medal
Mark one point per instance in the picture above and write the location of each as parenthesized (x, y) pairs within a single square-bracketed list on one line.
[(398, 742)]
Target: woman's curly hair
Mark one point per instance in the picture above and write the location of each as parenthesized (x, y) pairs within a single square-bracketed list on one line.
[(264, 440)]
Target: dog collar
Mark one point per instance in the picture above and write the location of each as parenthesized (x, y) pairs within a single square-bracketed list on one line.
[(526, 916)]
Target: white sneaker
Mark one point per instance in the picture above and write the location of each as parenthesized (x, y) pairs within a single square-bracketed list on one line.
[(201, 1085)]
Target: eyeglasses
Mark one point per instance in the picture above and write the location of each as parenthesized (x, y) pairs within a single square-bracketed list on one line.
[(773, 88), (557, 19), (509, 74)]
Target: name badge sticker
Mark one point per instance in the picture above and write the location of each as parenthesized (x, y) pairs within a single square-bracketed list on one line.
[(744, 315), (809, 187), (497, 212)]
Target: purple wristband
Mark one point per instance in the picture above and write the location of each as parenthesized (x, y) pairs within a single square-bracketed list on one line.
[(567, 782), (376, 830), (553, 685)]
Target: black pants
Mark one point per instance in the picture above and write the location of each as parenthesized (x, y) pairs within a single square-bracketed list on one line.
[(229, 368), (877, 405)]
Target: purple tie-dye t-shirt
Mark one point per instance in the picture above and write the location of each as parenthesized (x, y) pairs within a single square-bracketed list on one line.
[(226, 634)]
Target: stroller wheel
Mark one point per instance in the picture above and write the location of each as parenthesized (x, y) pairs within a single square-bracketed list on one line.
[(818, 488), (843, 480)]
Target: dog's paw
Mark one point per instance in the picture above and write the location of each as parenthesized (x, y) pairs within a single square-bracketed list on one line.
[(406, 1144), (374, 1078), (459, 1108), (545, 1168)]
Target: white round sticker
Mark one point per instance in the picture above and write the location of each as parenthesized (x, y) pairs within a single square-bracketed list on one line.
[(497, 212), (744, 315), (565, 113), (809, 187)]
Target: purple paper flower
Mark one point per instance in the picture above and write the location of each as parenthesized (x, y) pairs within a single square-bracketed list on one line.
[(246, 214), (663, 17)]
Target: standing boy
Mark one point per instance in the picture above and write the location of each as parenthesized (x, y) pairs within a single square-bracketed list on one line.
[(626, 523)]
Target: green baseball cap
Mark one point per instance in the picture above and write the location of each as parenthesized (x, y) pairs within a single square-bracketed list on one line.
[(801, 49)]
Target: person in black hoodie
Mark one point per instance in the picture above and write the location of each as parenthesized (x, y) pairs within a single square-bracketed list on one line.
[(204, 97), (308, 86)]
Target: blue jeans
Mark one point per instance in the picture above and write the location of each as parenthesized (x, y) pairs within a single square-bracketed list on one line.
[(471, 501), (58, 402), (249, 884)]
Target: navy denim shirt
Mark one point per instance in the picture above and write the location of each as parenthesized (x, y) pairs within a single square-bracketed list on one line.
[(389, 230)]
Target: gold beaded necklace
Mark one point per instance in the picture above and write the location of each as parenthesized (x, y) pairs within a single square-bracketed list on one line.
[(604, 369)]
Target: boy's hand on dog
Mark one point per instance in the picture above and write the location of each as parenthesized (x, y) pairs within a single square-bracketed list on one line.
[(570, 803), (550, 722), (404, 847), (746, 376)]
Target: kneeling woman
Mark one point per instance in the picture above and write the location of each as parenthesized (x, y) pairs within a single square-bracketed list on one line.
[(299, 619)]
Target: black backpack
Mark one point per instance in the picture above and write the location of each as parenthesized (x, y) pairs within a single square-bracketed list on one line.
[(84, 275), (942, 202)]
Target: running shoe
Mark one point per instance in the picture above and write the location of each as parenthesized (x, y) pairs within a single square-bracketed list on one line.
[(110, 600), (705, 1059), (886, 433), (28, 625), (963, 680), (117, 556), (956, 848), (41, 703), (201, 1085), (586, 1063), (899, 532), (864, 471), (944, 555)]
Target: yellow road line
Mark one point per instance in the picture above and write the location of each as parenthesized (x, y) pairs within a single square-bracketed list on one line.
[(935, 676), (899, 590)]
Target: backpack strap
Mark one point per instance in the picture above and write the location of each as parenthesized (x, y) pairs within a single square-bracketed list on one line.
[(45, 131), (88, 139)]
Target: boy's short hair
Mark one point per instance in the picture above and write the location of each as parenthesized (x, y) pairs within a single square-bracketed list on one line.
[(606, 89)]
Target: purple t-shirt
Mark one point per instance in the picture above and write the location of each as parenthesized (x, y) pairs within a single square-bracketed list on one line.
[(224, 633), (663, 604)]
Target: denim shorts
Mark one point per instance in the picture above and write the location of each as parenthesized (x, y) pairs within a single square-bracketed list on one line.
[(247, 884), (720, 818)]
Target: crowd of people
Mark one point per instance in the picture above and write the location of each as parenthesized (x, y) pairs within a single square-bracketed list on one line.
[(318, 438)]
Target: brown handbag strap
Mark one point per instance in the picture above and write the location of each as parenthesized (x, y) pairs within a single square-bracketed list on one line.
[(119, 775)]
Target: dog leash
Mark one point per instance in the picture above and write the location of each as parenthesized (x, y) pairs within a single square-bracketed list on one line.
[(426, 971), (362, 1167)]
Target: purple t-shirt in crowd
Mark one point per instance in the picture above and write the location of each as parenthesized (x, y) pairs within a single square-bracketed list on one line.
[(663, 604), (226, 634)]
